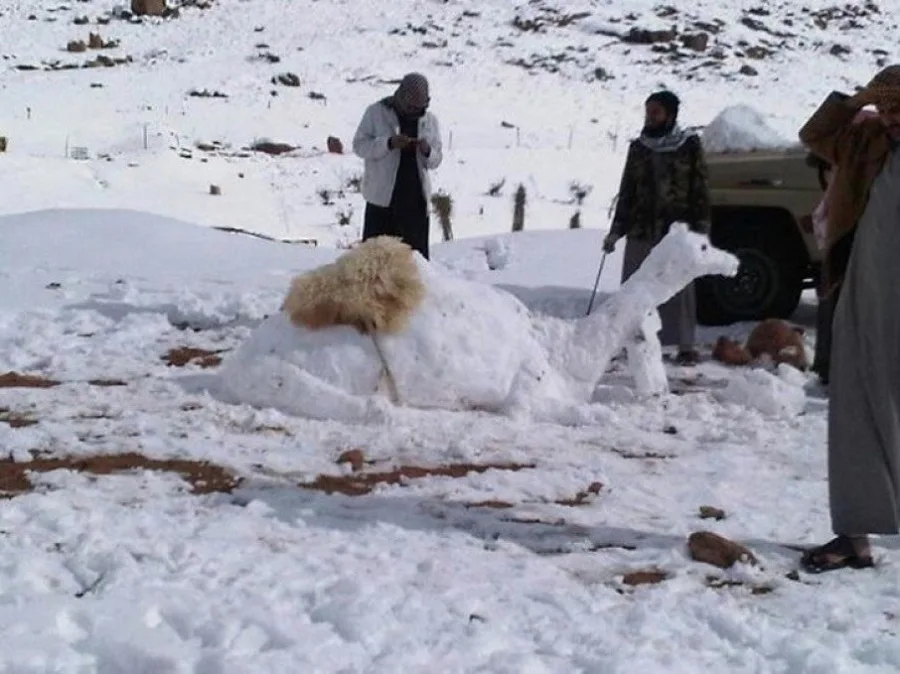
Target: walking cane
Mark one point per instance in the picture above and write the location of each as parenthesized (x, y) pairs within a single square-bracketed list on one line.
[(596, 283)]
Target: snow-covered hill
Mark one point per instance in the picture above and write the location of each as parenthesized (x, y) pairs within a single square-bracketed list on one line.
[(541, 93)]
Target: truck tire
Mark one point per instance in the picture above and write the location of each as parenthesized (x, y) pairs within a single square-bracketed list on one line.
[(769, 281)]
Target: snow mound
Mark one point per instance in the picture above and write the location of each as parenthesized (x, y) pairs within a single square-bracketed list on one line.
[(741, 128), (496, 251), (465, 348), (766, 392)]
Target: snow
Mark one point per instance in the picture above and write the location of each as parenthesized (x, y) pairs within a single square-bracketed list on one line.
[(766, 392), (130, 572), (109, 260), (742, 128)]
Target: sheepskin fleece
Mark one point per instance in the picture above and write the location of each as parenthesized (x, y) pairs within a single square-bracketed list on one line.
[(374, 288)]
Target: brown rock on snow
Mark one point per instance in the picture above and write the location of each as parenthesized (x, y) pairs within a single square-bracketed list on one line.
[(780, 340), (711, 513), (711, 548), (697, 41), (148, 7), (730, 352), (354, 457), (335, 146)]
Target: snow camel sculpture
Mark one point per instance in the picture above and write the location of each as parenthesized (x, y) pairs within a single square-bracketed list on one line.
[(382, 326)]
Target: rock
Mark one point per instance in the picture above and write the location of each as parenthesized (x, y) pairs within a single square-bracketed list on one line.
[(287, 79), (748, 70), (711, 513), (757, 53), (335, 146), (354, 457), (148, 7), (728, 351), (215, 190), (269, 147), (76, 46), (95, 41), (839, 50), (696, 41), (710, 548), (644, 36)]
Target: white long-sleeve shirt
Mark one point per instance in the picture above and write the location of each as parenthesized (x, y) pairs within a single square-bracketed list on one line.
[(379, 123)]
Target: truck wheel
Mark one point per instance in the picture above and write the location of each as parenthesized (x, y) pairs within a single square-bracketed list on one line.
[(768, 284)]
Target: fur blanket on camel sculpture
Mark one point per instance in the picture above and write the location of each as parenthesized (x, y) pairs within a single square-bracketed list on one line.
[(383, 324)]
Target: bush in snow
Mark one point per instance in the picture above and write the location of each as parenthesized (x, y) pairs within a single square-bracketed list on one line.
[(518, 223), (443, 206)]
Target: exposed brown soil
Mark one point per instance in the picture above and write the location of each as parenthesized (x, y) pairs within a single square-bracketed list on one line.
[(16, 380), (628, 454), (107, 382), (204, 477), (181, 356), (491, 503), (14, 419), (363, 483), (645, 577), (582, 497)]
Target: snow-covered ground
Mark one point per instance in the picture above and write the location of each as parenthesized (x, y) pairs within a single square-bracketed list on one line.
[(516, 568)]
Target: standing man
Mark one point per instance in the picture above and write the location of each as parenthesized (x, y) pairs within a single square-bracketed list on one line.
[(861, 250), (827, 298), (400, 141), (664, 181)]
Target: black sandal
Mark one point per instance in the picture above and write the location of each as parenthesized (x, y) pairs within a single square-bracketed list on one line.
[(837, 553)]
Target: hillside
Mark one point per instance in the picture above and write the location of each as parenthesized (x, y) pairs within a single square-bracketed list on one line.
[(541, 93)]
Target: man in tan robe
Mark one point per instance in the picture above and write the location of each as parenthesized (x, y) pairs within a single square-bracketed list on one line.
[(862, 249)]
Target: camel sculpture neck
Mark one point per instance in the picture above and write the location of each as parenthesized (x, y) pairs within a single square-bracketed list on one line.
[(677, 260)]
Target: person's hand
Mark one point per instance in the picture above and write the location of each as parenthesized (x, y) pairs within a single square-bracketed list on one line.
[(399, 142), (609, 242), (424, 146)]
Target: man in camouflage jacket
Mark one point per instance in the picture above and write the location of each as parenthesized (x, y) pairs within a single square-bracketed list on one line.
[(664, 181)]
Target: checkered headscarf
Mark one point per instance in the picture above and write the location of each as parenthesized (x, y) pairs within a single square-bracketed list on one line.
[(412, 92)]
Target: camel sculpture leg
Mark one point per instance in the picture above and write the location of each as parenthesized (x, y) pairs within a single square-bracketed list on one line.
[(644, 352), (678, 259)]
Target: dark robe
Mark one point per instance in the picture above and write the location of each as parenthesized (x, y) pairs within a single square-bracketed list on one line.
[(407, 215)]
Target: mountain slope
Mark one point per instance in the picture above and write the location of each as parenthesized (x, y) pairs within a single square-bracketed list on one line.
[(540, 93)]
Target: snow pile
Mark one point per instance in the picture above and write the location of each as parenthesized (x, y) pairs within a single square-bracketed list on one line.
[(469, 346), (741, 128), (779, 395), (496, 251), (464, 348)]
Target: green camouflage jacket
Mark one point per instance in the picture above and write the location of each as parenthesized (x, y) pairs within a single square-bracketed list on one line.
[(662, 187)]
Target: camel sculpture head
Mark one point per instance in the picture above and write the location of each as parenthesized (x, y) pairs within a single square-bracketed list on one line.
[(682, 256)]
